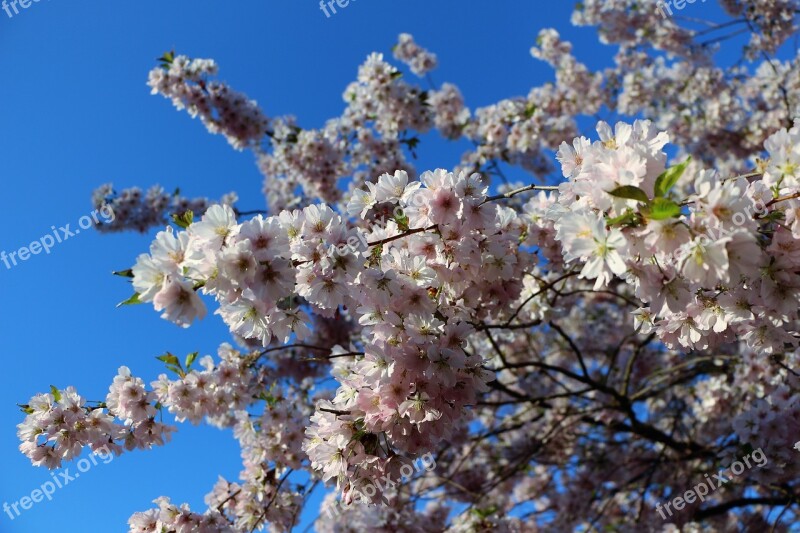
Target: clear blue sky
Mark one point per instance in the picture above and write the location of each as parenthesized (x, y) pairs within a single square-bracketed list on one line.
[(76, 113)]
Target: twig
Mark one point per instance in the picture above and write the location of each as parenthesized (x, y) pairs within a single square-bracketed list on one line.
[(521, 190), (400, 236)]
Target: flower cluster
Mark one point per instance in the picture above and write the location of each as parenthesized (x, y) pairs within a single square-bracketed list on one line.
[(337, 518), (215, 392), (230, 510), (60, 424), (415, 295), (141, 212), (170, 517), (419, 60), (221, 109), (718, 271)]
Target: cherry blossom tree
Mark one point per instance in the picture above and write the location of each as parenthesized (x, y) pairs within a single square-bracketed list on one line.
[(453, 350)]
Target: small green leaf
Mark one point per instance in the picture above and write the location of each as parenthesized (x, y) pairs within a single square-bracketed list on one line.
[(628, 217), (268, 397), (629, 192), (27, 409), (123, 273), (375, 256), (184, 220), (667, 180), (402, 222), (190, 359), (176, 370), (662, 209), (396, 74), (55, 392), (485, 513), (173, 364), (133, 300), (169, 359), (168, 57)]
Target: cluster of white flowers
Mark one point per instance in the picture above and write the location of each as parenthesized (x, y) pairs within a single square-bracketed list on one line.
[(221, 109), (142, 212), (60, 424), (419, 60)]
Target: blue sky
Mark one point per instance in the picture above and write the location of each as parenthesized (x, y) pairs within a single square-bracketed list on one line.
[(76, 113)]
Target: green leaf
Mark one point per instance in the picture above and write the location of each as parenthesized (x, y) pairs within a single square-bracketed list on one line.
[(190, 359), (123, 273), (173, 364), (402, 222), (774, 216), (184, 220), (485, 513), (168, 57), (55, 392), (176, 370), (268, 397), (662, 209), (628, 217), (27, 409), (396, 74), (629, 192), (375, 256), (169, 359), (667, 180), (133, 300)]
